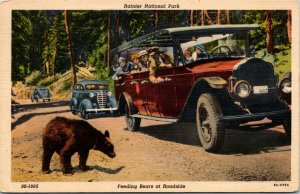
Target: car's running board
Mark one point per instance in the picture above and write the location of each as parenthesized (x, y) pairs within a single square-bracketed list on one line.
[(154, 118)]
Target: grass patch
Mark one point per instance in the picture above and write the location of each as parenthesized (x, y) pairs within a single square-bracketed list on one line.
[(48, 80), (66, 87)]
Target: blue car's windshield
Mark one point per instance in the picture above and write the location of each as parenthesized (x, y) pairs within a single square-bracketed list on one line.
[(95, 87)]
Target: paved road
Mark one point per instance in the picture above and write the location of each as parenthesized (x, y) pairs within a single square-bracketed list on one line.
[(158, 151)]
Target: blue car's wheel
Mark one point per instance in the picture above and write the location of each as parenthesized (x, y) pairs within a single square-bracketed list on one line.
[(73, 111), (84, 114)]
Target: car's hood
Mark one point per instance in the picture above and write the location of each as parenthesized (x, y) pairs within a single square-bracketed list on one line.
[(216, 66)]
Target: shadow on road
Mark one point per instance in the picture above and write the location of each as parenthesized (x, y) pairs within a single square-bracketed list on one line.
[(104, 115), (96, 167), (107, 170), (26, 117), (236, 142), (178, 133)]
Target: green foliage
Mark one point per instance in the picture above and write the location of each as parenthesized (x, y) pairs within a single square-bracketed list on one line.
[(21, 35), (48, 80), (66, 87), (39, 37), (282, 59), (33, 78), (103, 74)]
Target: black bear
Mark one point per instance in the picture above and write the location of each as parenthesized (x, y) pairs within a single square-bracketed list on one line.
[(67, 136)]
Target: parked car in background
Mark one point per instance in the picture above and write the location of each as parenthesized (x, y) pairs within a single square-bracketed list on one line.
[(92, 96), (223, 88), (285, 87), (41, 94)]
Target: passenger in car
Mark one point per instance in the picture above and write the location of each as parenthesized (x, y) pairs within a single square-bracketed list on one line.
[(199, 52), (157, 59), (134, 63), (144, 58), (187, 57), (122, 68)]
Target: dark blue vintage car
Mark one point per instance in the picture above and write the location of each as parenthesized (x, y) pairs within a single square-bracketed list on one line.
[(41, 93), (92, 96)]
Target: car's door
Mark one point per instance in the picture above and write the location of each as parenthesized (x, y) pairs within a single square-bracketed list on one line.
[(167, 94)]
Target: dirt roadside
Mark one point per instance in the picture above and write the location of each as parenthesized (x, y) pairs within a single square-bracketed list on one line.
[(157, 152)]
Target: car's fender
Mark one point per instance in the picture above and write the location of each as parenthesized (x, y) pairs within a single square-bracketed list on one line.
[(73, 101), (112, 101), (86, 103), (214, 82), (213, 85), (125, 98)]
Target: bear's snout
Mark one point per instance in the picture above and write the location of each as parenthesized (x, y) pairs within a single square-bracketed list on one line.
[(112, 154)]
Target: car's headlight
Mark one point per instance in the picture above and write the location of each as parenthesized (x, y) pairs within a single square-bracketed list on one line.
[(242, 89), (286, 86), (91, 95), (108, 93)]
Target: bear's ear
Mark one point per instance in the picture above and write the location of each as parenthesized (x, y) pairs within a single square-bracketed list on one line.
[(106, 134)]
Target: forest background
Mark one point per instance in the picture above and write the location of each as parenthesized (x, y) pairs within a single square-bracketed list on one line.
[(49, 44)]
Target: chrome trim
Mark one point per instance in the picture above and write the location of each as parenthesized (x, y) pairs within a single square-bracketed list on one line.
[(102, 99), (100, 109)]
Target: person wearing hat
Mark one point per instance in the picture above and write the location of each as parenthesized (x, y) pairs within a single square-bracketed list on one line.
[(134, 63), (188, 56), (199, 52), (122, 68), (157, 59), (144, 58)]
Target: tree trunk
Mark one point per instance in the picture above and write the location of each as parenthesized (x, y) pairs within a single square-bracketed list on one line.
[(108, 38), (218, 16), (155, 20), (117, 28), (227, 17), (289, 25), (269, 30), (54, 59), (73, 70), (208, 18), (191, 17)]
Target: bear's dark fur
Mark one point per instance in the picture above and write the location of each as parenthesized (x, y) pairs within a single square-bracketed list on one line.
[(66, 137)]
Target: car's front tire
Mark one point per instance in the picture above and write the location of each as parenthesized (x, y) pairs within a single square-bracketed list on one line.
[(73, 111), (84, 114), (211, 132), (132, 123)]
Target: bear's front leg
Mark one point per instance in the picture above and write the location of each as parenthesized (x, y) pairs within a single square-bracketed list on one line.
[(66, 164), (83, 156)]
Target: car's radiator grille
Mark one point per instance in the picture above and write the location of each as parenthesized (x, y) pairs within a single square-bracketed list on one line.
[(101, 98), (257, 73)]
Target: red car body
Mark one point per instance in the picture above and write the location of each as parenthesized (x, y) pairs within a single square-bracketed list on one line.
[(218, 91)]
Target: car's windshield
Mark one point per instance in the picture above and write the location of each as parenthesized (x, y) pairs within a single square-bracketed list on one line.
[(195, 48), (95, 87)]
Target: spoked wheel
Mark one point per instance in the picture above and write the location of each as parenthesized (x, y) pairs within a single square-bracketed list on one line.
[(132, 123), (211, 132), (84, 114)]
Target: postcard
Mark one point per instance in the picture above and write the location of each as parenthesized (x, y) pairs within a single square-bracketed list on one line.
[(149, 96)]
